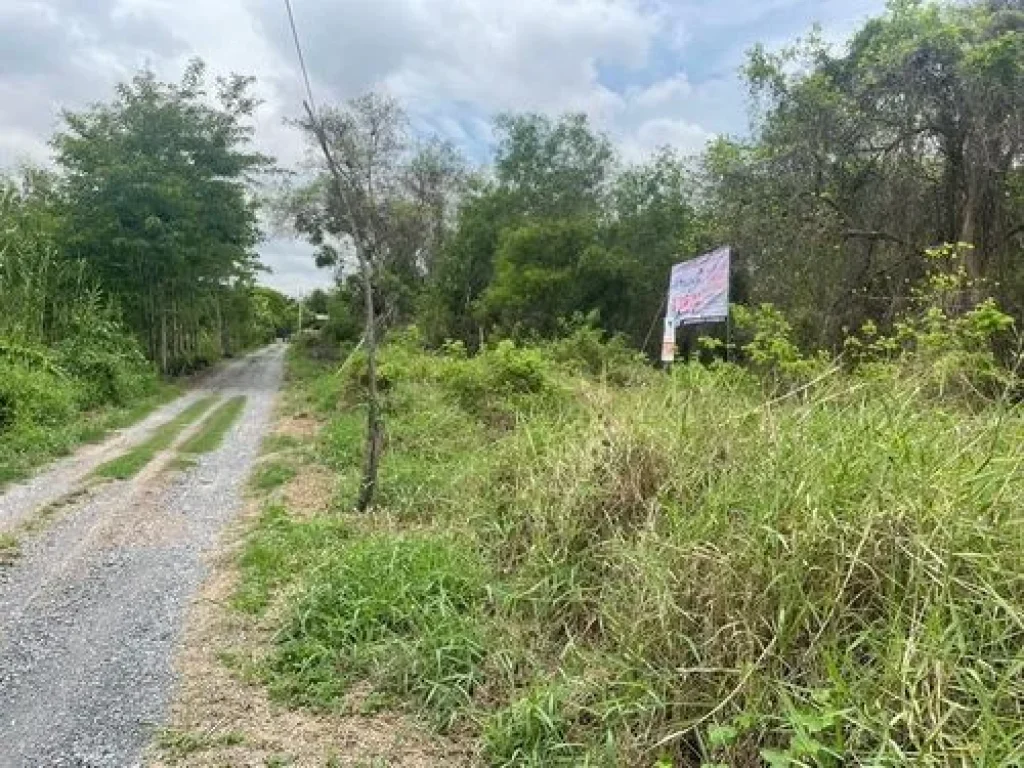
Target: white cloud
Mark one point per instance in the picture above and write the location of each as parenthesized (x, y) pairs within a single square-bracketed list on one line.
[(487, 55), (629, 64), (662, 92), (685, 137), (292, 268)]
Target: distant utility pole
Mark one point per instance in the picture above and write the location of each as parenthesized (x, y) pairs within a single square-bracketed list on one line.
[(299, 332)]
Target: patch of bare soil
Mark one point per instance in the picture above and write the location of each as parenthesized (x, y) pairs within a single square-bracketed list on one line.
[(309, 492), (299, 426)]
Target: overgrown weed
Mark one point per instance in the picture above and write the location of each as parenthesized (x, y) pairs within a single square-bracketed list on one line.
[(682, 570)]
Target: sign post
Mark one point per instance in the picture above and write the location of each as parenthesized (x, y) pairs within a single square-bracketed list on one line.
[(698, 293)]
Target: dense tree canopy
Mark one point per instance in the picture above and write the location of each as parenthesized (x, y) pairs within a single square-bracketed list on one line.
[(562, 230), (157, 205), (861, 160), (913, 136)]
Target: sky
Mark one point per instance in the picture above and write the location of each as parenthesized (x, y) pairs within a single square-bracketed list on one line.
[(648, 72)]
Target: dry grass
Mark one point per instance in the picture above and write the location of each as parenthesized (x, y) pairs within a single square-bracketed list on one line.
[(300, 426), (683, 572), (309, 492)]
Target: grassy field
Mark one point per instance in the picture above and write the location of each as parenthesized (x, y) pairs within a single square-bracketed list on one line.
[(577, 560)]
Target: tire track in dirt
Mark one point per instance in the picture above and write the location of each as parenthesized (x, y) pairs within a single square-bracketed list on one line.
[(61, 478)]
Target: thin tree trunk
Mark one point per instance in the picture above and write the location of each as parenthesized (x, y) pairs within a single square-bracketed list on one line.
[(374, 423), (220, 327), (374, 420), (163, 339)]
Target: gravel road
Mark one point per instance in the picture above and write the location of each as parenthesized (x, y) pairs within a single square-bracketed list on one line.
[(92, 611)]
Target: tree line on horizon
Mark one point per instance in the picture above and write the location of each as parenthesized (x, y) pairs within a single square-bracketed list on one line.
[(858, 162)]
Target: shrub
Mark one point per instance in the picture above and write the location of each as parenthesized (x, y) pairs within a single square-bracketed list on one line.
[(767, 347), (944, 339), (503, 381), (107, 361), (585, 349), (30, 395)]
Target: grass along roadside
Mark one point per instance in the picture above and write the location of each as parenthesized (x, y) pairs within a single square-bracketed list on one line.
[(221, 715), (131, 462), (33, 446), (674, 571)]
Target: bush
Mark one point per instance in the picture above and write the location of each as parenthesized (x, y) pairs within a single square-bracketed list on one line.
[(944, 339), (30, 395), (585, 349), (767, 347), (52, 398), (108, 363), (503, 381)]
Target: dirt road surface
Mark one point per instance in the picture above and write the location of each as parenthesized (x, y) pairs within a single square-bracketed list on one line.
[(91, 612)]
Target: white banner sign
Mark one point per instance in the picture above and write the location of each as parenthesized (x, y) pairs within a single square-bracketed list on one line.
[(699, 290), (668, 342)]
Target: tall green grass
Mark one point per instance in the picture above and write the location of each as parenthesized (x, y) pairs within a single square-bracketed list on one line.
[(678, 570)]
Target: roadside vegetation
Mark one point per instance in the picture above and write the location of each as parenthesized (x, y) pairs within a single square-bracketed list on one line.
[(799, 547), (133, 260), (577, 560)]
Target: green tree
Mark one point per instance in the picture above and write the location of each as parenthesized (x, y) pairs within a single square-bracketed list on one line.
[(912, 136), (158, 205), (653, 223), (560, 232), (274, 314), (541, 274), (383, 201), (552, 177), (553, 168)]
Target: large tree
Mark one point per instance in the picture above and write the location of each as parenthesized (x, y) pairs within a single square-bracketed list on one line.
[(911, 137), (158, 204), (563, 230)]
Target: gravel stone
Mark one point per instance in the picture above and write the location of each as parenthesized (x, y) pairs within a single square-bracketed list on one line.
[(91, 613), (65, 475)]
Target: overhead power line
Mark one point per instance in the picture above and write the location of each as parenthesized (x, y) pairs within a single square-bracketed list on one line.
[(302, 59)]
